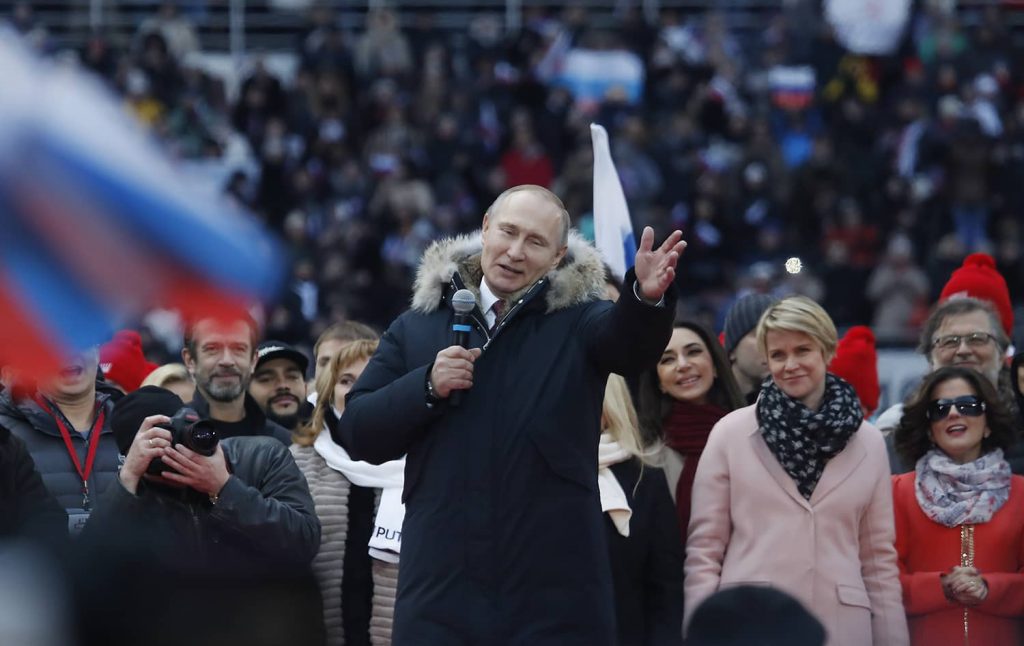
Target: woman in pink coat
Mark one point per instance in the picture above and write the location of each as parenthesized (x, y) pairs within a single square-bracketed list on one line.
[(793, 492)]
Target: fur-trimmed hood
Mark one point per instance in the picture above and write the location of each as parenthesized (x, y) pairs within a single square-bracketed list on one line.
[(578, 279)]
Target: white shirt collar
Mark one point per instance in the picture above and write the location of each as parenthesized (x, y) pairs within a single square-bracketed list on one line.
[(487, 299)]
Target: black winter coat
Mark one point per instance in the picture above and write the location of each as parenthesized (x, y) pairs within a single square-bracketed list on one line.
[(38, 430), (264, 518), (27, 509), (647, 566), (503, 540), (255, 422)]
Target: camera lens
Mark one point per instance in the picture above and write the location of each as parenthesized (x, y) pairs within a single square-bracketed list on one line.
[(202, 438)]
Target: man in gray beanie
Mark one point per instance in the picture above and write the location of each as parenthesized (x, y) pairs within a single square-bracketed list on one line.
[(748, 365)]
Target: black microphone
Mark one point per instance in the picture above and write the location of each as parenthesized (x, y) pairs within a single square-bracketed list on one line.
[(463, 303)]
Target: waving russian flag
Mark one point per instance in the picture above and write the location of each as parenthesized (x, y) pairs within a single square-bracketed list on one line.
[(97, 226), (613, 231)]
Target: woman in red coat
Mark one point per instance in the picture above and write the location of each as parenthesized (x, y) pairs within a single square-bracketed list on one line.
[(959, 515)]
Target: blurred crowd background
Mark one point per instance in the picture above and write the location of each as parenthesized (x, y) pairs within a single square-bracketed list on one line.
[(746, 124)]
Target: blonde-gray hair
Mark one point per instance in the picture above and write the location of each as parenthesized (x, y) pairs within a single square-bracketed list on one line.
[(799, 314), (619, 419), (167, 374)]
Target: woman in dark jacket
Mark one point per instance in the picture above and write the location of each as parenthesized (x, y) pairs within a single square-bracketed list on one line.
[(644, 549), (681, 399)]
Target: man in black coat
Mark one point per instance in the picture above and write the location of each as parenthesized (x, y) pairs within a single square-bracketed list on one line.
[(185, 556), (503, 540)]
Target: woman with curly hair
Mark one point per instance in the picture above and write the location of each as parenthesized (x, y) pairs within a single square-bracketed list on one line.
[(959, 514)]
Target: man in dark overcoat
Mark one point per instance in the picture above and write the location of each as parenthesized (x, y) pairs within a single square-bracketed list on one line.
[(503, 540)]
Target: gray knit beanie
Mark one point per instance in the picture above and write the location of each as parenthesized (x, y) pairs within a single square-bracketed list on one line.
[(743, 316)]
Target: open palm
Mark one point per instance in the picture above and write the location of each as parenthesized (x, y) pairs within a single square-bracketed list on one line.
[(656, 268)]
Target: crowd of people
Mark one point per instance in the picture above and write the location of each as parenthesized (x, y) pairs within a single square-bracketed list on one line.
[(506, 487), (886, 173), (579, 458)]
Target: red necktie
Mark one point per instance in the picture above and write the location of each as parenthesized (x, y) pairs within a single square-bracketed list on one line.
[(499, 310)]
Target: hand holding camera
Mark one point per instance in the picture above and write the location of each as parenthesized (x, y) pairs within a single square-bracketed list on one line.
[(204, 473), (148, 445), (183, 443)]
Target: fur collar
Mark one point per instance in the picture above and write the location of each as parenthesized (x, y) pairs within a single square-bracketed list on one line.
[(578, 279)]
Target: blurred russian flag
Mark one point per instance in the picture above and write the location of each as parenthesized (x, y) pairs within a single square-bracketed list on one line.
[(96, 225), (792, 86)]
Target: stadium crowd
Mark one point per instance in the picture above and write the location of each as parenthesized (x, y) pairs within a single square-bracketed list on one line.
[(881, 171), (304, 478)]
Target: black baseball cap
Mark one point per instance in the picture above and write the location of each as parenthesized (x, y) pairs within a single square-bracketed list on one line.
[(280, 350)]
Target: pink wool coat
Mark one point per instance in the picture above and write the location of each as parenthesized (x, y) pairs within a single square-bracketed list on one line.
[(835, 552)]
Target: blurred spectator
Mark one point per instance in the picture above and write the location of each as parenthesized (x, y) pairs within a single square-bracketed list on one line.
[(899, 289), (177, 31), (525, 161), (25, 23), (748, 614), (123, 363), (383, 50), (173, 377)]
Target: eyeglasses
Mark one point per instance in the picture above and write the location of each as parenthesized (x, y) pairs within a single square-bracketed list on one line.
[(951, 342), (969, 405)]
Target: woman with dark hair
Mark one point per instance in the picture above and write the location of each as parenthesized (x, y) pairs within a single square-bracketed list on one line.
[(680, 400), (959, 514)]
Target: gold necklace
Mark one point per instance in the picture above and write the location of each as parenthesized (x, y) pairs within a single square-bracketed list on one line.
[(966, 560)]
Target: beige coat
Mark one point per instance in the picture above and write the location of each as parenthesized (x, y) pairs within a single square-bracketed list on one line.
[(835, 553), (330, 495)]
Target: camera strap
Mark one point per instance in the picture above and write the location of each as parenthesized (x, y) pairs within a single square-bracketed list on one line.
[(90, 457)]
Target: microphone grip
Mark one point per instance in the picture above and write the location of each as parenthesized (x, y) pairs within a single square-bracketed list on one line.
[(461, 328)]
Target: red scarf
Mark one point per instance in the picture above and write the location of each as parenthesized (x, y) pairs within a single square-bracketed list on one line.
[(686, 431)]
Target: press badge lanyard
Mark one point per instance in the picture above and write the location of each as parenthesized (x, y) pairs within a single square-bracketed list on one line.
[(90, 458)]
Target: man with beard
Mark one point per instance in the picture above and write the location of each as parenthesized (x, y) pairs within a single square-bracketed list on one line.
[(279, 384), (220, 355)]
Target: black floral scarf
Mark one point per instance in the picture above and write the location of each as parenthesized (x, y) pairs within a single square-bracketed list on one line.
[(803, 441)]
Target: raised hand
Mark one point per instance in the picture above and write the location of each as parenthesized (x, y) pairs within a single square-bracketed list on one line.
[(149, 443), (656, 268)]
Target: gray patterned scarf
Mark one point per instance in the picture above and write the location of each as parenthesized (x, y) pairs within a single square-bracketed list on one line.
[(953, 494), (802, 440)]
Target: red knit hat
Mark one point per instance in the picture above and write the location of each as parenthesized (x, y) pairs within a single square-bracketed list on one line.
[(856, 362), (122, 361), (979, 278)]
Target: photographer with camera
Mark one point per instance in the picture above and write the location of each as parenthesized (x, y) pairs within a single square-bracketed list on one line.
[(238, 503)]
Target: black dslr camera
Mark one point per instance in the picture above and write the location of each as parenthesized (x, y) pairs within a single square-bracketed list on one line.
[(189, 429)]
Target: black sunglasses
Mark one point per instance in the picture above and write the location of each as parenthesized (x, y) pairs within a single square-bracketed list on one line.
[(969, 405)]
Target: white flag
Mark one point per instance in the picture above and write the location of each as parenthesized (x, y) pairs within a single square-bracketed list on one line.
[(613, 232)]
